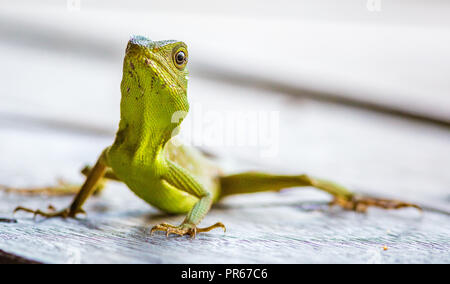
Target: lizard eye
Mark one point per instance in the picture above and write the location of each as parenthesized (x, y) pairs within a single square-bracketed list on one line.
[(180, 59)]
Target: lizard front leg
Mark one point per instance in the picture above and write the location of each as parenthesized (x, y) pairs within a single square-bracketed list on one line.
[(179, 178), (89, 186)]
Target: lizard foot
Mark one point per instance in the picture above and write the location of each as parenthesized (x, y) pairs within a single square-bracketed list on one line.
[(66, 213), (184, 229), (361, 203)]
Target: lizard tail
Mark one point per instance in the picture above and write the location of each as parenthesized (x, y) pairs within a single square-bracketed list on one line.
[(62, 189)]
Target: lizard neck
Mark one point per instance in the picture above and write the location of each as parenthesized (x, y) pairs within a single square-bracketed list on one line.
[(145, 124), (141, 140)]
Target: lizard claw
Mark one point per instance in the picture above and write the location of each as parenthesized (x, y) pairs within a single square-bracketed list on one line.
[(361, 203), (66, 213), (184, 229)]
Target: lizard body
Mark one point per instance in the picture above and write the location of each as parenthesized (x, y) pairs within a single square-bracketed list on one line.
[(176, 178)]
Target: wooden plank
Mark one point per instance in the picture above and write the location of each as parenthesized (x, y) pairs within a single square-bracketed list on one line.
[(292, 227), (7, 258)]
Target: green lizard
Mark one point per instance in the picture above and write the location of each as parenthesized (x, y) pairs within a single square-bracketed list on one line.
[(176, 179)]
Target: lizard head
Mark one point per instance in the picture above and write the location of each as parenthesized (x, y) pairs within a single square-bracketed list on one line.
[(154, 81)]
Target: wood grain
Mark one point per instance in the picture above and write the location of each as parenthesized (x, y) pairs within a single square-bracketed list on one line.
[(294, 226)]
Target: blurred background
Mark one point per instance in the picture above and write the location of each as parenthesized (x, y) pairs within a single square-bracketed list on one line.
[(361, 86)]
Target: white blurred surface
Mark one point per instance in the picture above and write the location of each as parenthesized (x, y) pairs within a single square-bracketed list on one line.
[(397, 56)]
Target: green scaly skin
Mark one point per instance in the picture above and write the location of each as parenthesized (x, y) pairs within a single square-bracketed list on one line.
[(176, 179)]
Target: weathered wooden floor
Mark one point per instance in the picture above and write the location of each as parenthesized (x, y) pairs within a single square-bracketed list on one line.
[(59, 112), (291, 227)]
